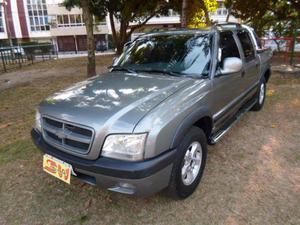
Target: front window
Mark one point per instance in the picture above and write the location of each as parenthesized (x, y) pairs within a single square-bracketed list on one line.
[(181, 54)]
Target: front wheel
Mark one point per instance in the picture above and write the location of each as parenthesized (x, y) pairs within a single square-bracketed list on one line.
[(189, 165), (260, 95)]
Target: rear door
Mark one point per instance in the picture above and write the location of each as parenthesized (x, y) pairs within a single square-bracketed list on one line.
[(251, 61), (228, 87)]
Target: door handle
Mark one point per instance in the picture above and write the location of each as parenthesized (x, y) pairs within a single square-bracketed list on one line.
[(243, 73)]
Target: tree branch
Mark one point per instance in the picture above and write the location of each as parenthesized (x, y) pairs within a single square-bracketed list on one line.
[(133, 28)]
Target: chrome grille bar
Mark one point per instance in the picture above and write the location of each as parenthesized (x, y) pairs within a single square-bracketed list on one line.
[(67, 136)]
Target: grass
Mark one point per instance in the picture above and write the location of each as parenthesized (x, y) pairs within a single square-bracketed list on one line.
[(252, 175)]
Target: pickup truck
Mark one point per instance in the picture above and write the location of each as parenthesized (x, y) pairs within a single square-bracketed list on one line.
[(144, 126)]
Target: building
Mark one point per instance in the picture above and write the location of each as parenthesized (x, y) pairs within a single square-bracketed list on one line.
[(68, 31), (48, 21), (25, 20)]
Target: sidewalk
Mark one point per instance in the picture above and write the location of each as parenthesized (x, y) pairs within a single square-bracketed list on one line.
[(287, 69), (68, 55)]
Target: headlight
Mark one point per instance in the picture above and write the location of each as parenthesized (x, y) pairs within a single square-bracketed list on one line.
[(38, 122), (125, 146)]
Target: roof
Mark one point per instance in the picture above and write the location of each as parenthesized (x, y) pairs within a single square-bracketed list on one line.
[(177, 31)]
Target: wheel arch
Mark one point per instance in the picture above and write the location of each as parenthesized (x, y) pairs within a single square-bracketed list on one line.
[(267, 75), (201, 118)]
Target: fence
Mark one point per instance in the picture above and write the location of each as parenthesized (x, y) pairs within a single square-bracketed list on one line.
[(282, 48), (18, 56)]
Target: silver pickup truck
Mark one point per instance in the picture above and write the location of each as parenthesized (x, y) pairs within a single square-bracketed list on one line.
[(144, 126)]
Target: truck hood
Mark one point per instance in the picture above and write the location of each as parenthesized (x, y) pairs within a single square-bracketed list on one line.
[(113, 102)]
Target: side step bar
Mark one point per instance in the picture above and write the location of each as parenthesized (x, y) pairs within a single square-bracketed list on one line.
[(219, 134)]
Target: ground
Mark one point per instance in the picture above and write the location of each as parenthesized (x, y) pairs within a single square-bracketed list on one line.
[(252, 175)]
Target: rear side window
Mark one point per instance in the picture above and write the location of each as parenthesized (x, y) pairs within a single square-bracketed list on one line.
[(258, 41), (246, 45), (228, 46)]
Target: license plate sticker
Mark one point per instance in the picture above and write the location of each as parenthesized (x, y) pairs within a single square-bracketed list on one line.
[(57, 168)]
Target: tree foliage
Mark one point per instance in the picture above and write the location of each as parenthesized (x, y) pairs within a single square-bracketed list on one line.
[(201, 12), (196, 13), (281, 16), (125, 13)]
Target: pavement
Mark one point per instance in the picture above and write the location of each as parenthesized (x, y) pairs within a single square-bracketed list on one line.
[(67, 55), (287, 69)]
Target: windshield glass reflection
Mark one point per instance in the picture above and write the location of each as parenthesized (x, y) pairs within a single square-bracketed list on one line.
[(182, 54)]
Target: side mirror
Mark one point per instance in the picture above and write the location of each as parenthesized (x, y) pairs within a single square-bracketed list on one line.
[(232, 65)]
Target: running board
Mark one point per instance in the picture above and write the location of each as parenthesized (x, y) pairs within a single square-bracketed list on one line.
[(219, 134)]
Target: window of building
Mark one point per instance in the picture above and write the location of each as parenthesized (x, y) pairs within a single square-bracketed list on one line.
[(1, 21), (69, 20), (38, 15), (99, 21)]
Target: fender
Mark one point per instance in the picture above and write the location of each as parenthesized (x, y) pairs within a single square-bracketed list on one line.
[(266, 73), (187, 123)]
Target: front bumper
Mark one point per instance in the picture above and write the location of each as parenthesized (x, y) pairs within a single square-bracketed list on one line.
[(136, 178)]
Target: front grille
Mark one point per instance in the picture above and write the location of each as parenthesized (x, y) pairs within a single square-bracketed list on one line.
[(68, 136)]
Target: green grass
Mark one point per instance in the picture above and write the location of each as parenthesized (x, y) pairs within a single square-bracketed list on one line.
[(18, 150)]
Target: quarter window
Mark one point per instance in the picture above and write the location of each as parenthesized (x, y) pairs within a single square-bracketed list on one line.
[(246, 45)]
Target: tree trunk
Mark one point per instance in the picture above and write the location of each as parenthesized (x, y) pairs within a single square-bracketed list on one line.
[(122, 37), (228, 13), (184, 13), (113, 29), (88, 20)]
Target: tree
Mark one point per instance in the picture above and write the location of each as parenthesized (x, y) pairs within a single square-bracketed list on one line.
[(282, 17), (200, 13), (184, 13), (267, 14), (128, 12), (89, 20), (88, 7), (123, 13), (194, 13)]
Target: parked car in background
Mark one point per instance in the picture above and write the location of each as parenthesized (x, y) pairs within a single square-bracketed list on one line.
[(145, 125), (12, 51)]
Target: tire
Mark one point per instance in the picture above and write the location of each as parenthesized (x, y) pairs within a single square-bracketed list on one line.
[(260, 95), (180, 186)]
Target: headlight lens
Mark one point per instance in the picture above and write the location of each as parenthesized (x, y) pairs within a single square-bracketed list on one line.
[(38, 123), (128, 147)]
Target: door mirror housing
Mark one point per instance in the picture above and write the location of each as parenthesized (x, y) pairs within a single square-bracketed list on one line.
[(231, 65)]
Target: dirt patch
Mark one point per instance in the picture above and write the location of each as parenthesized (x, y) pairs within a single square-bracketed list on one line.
[(54, 68), (252, 175)]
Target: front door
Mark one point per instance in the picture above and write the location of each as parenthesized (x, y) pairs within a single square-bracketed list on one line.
[(228, 87)]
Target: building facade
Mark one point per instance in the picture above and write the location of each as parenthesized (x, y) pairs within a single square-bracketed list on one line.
[(49, 21), (24, 20)]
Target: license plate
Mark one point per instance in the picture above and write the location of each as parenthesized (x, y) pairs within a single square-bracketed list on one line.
[(57, 168)]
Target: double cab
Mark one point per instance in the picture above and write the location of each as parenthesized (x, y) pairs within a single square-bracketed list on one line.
[(144, 126)]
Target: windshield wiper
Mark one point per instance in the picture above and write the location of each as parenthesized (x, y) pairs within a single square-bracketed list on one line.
[(169, 72), (121, 68)]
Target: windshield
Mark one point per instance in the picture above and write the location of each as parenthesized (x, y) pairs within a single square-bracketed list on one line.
[(182, 55)]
